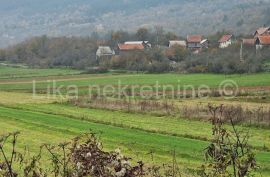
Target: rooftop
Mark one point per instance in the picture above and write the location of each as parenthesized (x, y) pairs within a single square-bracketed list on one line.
[(130, 46), (225, 38), (262, 30), (194, 38), (136, 42)]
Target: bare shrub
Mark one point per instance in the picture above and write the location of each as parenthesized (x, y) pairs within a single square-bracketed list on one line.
[(229, 153), (83, 156), (250, 116)]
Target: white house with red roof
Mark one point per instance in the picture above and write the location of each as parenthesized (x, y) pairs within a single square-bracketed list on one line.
[(225, 41)]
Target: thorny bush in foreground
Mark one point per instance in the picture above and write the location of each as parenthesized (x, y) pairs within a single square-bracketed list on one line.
[(229, 153), (83, 156)]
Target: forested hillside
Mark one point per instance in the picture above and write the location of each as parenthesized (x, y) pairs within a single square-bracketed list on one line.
[(22, 19)]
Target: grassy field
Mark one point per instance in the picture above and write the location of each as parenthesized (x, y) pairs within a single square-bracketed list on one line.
[(83, 82), (51, 120), (38, 128), (7, 72), (45, 121), (193, 129)]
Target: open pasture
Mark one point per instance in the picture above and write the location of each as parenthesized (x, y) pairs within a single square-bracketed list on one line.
[(52, 120), (132, 133), (83, 82), (19, 72)]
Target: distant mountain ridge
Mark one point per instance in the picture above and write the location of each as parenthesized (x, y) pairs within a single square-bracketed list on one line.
[(22, 19)]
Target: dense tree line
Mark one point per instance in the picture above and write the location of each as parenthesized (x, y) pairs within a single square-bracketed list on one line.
[(47, 52), (228, 60), (79, 53)]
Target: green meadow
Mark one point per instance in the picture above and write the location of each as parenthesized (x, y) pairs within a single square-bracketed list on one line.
[(54, 120), (175, 80), (7, 72), (120, 130)]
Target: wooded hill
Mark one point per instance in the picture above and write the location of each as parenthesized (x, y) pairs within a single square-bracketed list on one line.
[(22, 19)]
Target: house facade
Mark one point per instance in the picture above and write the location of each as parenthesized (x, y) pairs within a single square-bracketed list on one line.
[(104, 52), (249, 42), (225, 41), (262, 41), (181, 43), (194, 41)]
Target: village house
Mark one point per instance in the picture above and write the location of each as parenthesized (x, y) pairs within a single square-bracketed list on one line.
[(178, 43), (104, 52), (196, 43), (262, 41), (127, 48), (263, 31), (225, 41)]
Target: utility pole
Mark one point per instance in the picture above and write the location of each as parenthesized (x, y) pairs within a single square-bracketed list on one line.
[(241, 52)]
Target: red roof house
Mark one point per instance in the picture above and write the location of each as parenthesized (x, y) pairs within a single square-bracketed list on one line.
[(194, 42)]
